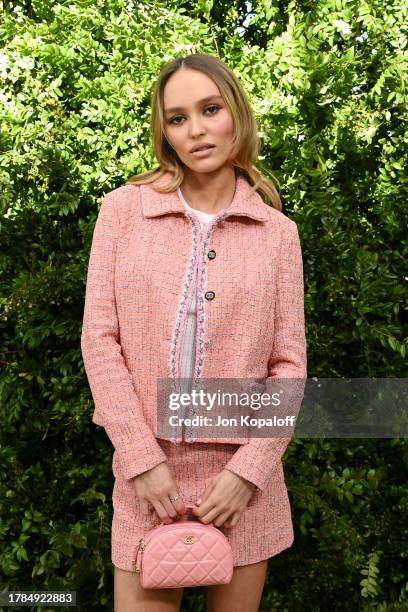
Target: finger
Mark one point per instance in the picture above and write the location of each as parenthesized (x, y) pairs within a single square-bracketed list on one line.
[(222, 518), (144, 506), (162, 512), (233, 520), (168, 506), (204, 497), (208, 506), (207, 491), (178, 504), (211, 515)]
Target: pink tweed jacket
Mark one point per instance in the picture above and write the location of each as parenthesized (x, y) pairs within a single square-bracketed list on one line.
[(146, 248)]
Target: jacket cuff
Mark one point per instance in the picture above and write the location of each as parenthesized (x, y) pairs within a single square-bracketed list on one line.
[(257, 460), (143, 455)]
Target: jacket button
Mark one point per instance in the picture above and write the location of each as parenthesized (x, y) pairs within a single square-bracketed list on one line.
[(210, 295), (211, 254)]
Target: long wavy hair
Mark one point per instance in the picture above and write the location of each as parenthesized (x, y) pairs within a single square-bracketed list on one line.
[(246, 143)]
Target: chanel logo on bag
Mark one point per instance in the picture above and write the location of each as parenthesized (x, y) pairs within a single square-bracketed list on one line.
[(189, 539)]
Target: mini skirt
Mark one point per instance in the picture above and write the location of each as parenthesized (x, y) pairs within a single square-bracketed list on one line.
[(259, 533)]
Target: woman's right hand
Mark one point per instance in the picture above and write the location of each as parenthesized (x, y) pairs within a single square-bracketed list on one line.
[(156, 486)]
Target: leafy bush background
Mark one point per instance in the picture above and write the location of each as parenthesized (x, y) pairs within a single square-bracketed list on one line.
[(326, 80)]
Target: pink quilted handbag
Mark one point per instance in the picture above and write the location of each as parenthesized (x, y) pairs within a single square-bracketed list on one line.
[(184, 553)]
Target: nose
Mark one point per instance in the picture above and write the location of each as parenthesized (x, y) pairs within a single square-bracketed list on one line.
[(195, 127)]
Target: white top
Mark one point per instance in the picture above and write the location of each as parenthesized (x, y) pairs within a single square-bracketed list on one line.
[(203, 216), (187, 355)]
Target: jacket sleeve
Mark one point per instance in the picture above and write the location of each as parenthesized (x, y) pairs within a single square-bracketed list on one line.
[(117, 407), (257, 460)]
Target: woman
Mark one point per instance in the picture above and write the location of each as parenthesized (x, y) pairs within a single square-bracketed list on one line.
[(193, 275)]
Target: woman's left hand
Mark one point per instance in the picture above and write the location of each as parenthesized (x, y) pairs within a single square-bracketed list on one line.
[(225, 498)]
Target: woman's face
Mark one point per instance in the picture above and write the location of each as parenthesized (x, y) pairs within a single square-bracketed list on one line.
[(191, 121)]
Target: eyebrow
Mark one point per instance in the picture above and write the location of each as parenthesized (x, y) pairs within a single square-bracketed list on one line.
[(176, 109)]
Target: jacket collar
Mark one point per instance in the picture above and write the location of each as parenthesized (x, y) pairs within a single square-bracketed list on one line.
[(244, 203)]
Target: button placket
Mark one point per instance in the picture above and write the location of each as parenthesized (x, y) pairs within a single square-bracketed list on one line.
[(209, 295), (211, 255)]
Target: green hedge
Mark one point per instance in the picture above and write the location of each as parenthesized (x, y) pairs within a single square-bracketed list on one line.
[(326, 80)]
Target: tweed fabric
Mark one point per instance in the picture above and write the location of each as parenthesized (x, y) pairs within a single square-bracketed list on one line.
[(145, 249), (254, 328), (264, 529), (188, 344)]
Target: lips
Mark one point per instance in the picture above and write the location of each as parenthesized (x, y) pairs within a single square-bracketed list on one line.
[(202, 148)]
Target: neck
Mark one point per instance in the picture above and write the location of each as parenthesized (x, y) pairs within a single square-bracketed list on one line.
[(210, 192)]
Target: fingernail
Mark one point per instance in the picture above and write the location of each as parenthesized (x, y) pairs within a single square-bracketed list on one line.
[(199, 500)]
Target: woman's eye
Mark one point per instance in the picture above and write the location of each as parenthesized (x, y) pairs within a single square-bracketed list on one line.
[(173, 120), (216, 108), (180, 116)]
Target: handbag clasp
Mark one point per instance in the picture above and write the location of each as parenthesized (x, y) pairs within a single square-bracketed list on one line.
[(189, 539)]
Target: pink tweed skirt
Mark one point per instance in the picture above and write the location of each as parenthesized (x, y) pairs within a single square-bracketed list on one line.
[(258, 535)]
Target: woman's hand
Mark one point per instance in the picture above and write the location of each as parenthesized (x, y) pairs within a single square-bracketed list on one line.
[(156, 486), (224, 499)]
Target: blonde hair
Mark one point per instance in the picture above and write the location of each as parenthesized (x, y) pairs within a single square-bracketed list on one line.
[(246, 143)]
